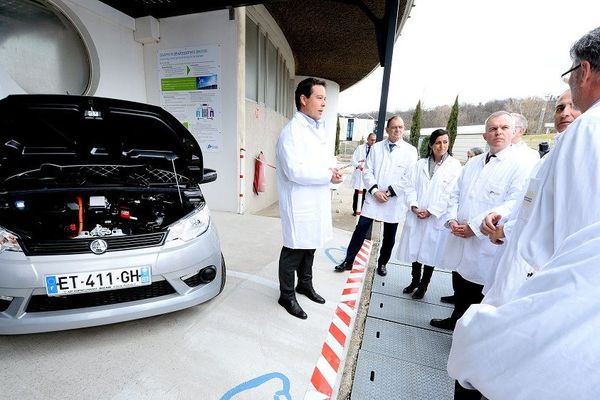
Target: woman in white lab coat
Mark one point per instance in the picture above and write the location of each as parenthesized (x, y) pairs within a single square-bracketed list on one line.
[(423, 237)]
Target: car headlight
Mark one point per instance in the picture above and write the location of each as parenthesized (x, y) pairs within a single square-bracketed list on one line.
[(191, 226), (8, 241)]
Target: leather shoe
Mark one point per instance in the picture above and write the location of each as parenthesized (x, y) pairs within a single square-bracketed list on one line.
[(410, 288), (447, 299), (445, 323), (419, 293), (381, 270), (344, 266), (311, 294), (292, 307)]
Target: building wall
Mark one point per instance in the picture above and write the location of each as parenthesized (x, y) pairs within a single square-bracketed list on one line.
[(263, 124), (120, 69), (211, 28), (362, 128), (127, 69)]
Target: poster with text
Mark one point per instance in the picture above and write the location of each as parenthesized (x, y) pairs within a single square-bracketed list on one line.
[(190, 89)]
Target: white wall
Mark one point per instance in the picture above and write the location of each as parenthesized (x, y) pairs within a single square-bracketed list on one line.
[(126, 69), (212, 28), (362, 128), (120, 63), (261, 124)]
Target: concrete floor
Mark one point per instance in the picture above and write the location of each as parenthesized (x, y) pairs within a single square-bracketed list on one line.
[(200, 353)]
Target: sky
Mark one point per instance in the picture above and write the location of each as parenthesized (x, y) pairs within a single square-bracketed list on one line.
[(479, 50)]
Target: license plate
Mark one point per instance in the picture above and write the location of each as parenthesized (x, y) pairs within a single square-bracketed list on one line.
[(64, 284)]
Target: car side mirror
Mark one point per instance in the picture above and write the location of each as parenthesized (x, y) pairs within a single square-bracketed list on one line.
[(210, 175)]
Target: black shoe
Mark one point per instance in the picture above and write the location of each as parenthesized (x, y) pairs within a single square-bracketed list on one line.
[(344, 266), (292, 306), (419, 293), (447, 299), (445, 323), (381, 270), (311, 294), (411, 287)]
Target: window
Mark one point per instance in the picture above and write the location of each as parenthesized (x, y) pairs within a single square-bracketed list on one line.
[(350, 129), (251, 60), (42, 51), (271, 76), (267, 75)]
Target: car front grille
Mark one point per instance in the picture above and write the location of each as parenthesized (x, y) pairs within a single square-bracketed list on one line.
[(43, 303), (4, 305), (82, 246)]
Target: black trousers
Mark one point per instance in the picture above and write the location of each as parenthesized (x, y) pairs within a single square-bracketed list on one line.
[(355, 199), (299, 261), (358, 237), (460, 393), (466, 293), (455, 277)]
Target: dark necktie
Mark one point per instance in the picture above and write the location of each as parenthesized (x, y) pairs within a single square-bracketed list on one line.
[(368, 150), (392, 145), (489, 157)]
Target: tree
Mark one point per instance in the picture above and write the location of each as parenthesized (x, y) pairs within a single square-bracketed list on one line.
[(424, 149), (337, 137), (452, 126), (415, 128)]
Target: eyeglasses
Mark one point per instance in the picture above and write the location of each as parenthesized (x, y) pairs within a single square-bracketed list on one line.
[(565, 77)]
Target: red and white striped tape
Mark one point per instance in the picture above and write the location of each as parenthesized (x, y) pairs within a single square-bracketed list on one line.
[(328, 365)]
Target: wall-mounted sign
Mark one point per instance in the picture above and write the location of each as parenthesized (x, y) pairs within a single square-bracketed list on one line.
[(190, 89)]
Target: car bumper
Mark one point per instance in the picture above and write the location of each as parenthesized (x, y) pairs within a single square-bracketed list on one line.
[(22, 278)]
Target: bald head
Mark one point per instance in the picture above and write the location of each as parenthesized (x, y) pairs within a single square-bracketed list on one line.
[(564, 112)]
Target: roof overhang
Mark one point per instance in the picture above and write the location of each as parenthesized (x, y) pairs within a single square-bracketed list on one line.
[(339, 40)]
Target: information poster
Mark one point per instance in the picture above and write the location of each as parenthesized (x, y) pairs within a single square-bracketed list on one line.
[(190, 89)]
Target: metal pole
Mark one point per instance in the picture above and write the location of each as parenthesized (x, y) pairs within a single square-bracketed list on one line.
[(391, 10)]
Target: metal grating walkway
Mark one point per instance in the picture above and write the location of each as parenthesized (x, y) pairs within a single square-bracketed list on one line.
[(402, 356)]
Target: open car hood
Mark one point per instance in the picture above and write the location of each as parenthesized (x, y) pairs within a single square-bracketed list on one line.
[(57, 132)]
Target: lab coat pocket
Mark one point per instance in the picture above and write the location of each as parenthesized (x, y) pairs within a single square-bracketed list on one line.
[(493, 195)]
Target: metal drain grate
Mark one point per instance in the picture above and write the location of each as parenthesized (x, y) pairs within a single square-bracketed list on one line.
[(385, 378)]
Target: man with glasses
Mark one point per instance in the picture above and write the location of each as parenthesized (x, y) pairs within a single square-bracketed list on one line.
[(538, 324), (385, 177)]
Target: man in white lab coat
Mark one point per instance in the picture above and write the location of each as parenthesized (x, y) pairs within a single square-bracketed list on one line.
[(565, 112), (542, 343), (491, 181), (548, 302), (559, 197), (385, 177), (304, 172), (528, 155), (359, 158)]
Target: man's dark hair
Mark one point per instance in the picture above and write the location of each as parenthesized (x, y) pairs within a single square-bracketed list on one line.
[(588, 48), (305, 88), (433, 137)]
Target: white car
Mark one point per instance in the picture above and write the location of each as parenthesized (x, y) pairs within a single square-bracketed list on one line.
[(102, 218)]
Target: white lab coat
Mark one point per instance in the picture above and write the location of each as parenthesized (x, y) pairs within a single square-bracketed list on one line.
[(543, 343), (359, 154), (560, 200), (423, 240), (528, 155), (303, 177), (481, 189), (384, 169)]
